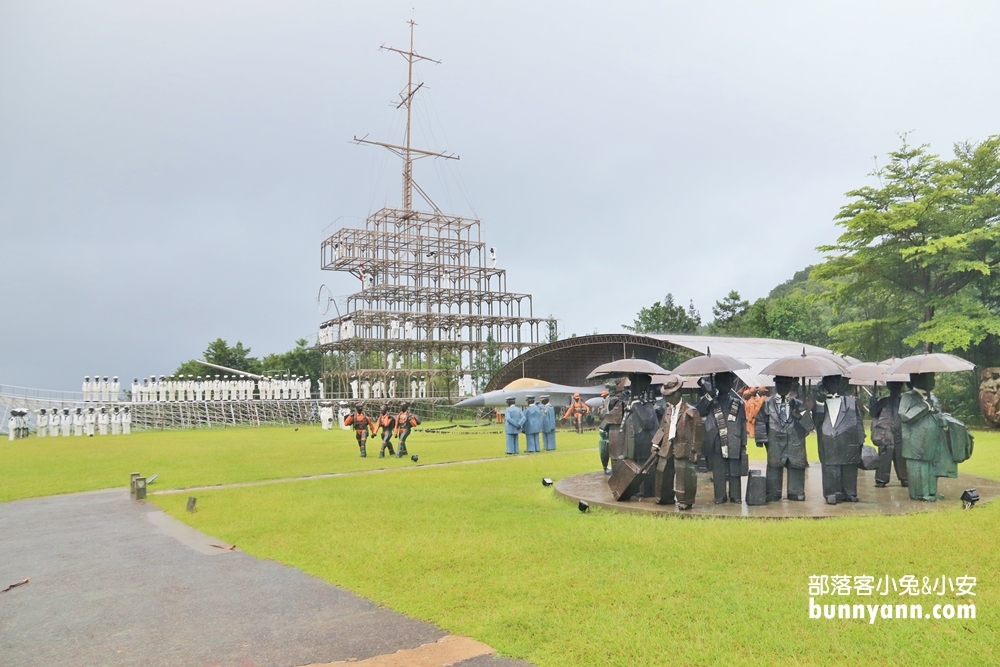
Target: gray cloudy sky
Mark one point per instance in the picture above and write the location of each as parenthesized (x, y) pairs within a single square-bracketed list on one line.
[(167, 168)]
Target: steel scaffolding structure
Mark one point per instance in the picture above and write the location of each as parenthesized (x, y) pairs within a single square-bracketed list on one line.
[(431, 300)]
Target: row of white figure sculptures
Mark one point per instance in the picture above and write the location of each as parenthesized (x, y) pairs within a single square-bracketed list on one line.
[(101, 391), (169, 389), (79, 422)]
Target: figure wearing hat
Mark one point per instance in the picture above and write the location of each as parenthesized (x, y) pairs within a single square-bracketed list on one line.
[(513, 421), (677, 444), (326, 416), (577, 410), (66, 422), (126, 421), (840, 433), (405, 421), (387, 423), (781, 425), (79, 420), (532, 425), (925, 439), (362, 427), (89, 421), (725, 434), (548, 424), (13, 426), (55, 421), (116, 421), (103, 420), (42, 423)]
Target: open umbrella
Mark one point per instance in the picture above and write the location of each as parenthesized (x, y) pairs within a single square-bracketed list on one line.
[(710, 363), (804, 366), (841, 361), (937, 362), (869, 372), (623, 367)]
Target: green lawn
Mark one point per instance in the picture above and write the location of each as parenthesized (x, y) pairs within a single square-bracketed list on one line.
[(485, 550), (45, 466)]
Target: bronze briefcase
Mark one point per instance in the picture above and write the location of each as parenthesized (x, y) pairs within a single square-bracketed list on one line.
[(626, 479)]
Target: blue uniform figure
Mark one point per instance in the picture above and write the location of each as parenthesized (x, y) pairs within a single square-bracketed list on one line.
[(548, 424), (513, 419), (532, 425)]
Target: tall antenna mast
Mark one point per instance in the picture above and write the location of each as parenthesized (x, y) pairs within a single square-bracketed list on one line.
[(430, 306), (406, 151)]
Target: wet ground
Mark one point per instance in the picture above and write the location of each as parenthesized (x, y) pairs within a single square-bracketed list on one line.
[(893, 499), (115, 581)]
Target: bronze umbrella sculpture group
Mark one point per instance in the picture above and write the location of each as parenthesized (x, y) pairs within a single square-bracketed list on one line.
[(830, 368)]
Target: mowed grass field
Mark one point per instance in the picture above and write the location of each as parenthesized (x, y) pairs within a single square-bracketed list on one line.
[(197, 457), (485, 550)]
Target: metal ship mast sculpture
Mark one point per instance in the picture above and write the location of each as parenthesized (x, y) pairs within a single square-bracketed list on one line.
[(432, 301)]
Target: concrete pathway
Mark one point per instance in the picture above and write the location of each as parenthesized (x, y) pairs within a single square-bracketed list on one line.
[(328, 475), (118, 582)]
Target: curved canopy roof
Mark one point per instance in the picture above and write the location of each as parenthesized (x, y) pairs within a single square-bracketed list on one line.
[(756, 353), (570, 360)]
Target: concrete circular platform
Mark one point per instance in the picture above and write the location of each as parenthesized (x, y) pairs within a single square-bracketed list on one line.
[(891, 500)]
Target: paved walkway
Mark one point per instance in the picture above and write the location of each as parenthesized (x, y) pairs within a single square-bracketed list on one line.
[(118, 582)]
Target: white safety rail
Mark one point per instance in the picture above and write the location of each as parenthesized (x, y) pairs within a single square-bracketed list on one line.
[(164, 414), (210, 414)]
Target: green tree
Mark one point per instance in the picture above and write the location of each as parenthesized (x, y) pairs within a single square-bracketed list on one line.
[(786, 318), (301, 360), (666, 317), (915, 249), (553, 329), (729, 315), (219, 352), (450, 362)]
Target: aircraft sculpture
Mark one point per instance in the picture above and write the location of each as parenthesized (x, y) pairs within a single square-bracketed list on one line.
[(559, 395)]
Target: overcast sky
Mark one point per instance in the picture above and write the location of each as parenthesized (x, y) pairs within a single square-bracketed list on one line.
[(167, 169)]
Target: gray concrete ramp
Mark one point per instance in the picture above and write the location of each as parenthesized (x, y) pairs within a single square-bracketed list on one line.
[(117, 582)]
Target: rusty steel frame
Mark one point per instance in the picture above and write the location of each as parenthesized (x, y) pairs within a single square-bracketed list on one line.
[(426, 286)]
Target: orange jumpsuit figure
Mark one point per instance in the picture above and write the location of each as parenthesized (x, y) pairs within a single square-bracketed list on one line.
[(386, 423), (405, 421), (754, 398), (362, 426), (577, 410)]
